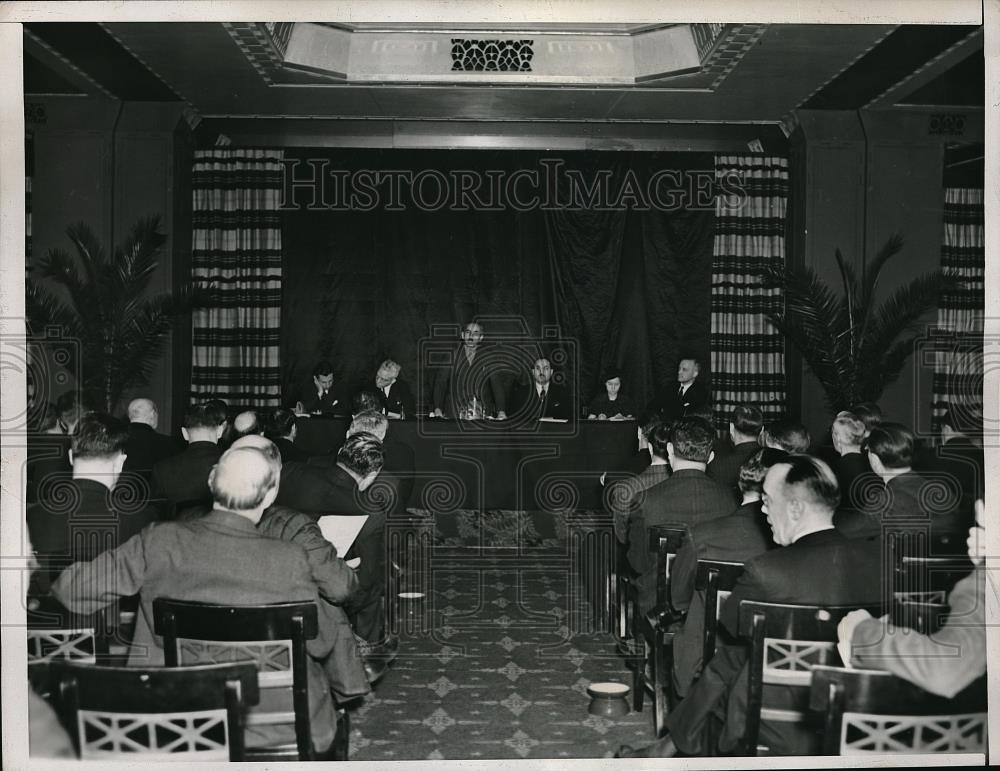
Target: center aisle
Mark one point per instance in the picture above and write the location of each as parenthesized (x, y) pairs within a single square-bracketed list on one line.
[(495, 661)]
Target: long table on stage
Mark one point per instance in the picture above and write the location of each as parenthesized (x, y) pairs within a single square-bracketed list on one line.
[(497, 464)]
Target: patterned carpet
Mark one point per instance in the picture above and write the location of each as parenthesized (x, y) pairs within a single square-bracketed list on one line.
[(494, 662)]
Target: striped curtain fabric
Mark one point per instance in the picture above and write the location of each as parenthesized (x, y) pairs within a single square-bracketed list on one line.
[(236, 260), (748, 354), (958, 365)]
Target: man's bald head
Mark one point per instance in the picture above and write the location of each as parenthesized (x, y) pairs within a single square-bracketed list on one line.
[(244, 481), (258, 442), (247, 423), (143, 411)]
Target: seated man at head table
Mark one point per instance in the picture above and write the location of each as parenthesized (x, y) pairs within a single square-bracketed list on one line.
[(543, 396), (394, 392), (217, 558), (322, 397), (471, 384), (689, 393)]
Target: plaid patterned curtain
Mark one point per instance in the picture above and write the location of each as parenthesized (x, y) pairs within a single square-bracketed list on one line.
[(236, 257), (748, 354), (958, 365)]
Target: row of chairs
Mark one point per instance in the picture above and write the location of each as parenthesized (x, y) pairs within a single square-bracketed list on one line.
[(188, 708), (788, 643)]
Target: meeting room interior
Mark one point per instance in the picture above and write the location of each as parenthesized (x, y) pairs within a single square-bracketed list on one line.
[(509, 388)]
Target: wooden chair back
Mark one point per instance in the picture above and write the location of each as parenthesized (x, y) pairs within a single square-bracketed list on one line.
[(717, 579), (665, 540), (871, 711), (158, 713), (786, 642), (272, 636)]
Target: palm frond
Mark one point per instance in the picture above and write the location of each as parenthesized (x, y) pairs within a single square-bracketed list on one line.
[(43, 310), (900, 312), (850, 281), (873, 270), (89, 249), (134, 263), (873, 380)]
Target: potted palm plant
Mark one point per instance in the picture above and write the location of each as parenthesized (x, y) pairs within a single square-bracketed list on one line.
[(105, 307), (854, 347)]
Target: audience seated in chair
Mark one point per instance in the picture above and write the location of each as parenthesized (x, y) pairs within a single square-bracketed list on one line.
[(626, 496), (183, 478), (48, 453), (815, 566), (74, 518), (788, 435), (848, 432), (943, 663), (687, 497), (738, 537), (218, 558), (146, 446), (282, 430), (745, 426)]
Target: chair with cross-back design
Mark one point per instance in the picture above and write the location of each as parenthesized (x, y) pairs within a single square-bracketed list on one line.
[(871, 711), (652, 629), (273, 637), (46, 645), (786, 642), (158, 713)]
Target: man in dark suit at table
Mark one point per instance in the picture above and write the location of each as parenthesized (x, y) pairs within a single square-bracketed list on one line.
[(217, 558), (543, 398), (689, 393), (815, 566), (183, 478), (687, 498), (322, 397), (394, 392), (744, 431), (469, 379), (145, 446)]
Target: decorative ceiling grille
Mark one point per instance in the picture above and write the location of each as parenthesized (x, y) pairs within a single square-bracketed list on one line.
[(469, 55)]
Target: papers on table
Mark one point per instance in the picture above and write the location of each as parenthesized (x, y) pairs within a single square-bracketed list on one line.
[(341, 530), (553, 420)]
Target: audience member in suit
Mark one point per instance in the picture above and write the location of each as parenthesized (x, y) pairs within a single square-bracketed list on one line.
[(848, 433), (788, 435), (944, 663), (183, 478), (246, 423), (687, 498), (282, 430), (868, 413), (334, 579), (626, 496), (470, 377), (689, 393), (322, 396), (394, 392), (739, 537), (744, 433), (815, 566), (48, 453), (907, 499), (395, 482), (92, 504), (218, 558), (145, 446), (959, 458), (611, 403), (543, 397)]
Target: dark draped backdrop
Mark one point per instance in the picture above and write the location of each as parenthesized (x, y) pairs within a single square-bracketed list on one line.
[(628, 285)]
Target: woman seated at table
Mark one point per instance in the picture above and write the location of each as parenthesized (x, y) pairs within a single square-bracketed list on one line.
[(612, 404)]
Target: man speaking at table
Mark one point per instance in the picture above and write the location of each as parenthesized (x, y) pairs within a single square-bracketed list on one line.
[(470, 382)]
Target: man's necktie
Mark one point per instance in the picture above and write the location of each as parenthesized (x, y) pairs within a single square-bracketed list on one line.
[(680, 391)]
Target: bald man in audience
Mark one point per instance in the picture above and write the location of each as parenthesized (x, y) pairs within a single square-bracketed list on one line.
[(183, 478), (218, 558), (335, 580), (146, 446)]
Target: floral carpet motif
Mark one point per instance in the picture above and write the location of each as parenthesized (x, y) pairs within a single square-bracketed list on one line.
[(495, 661)]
